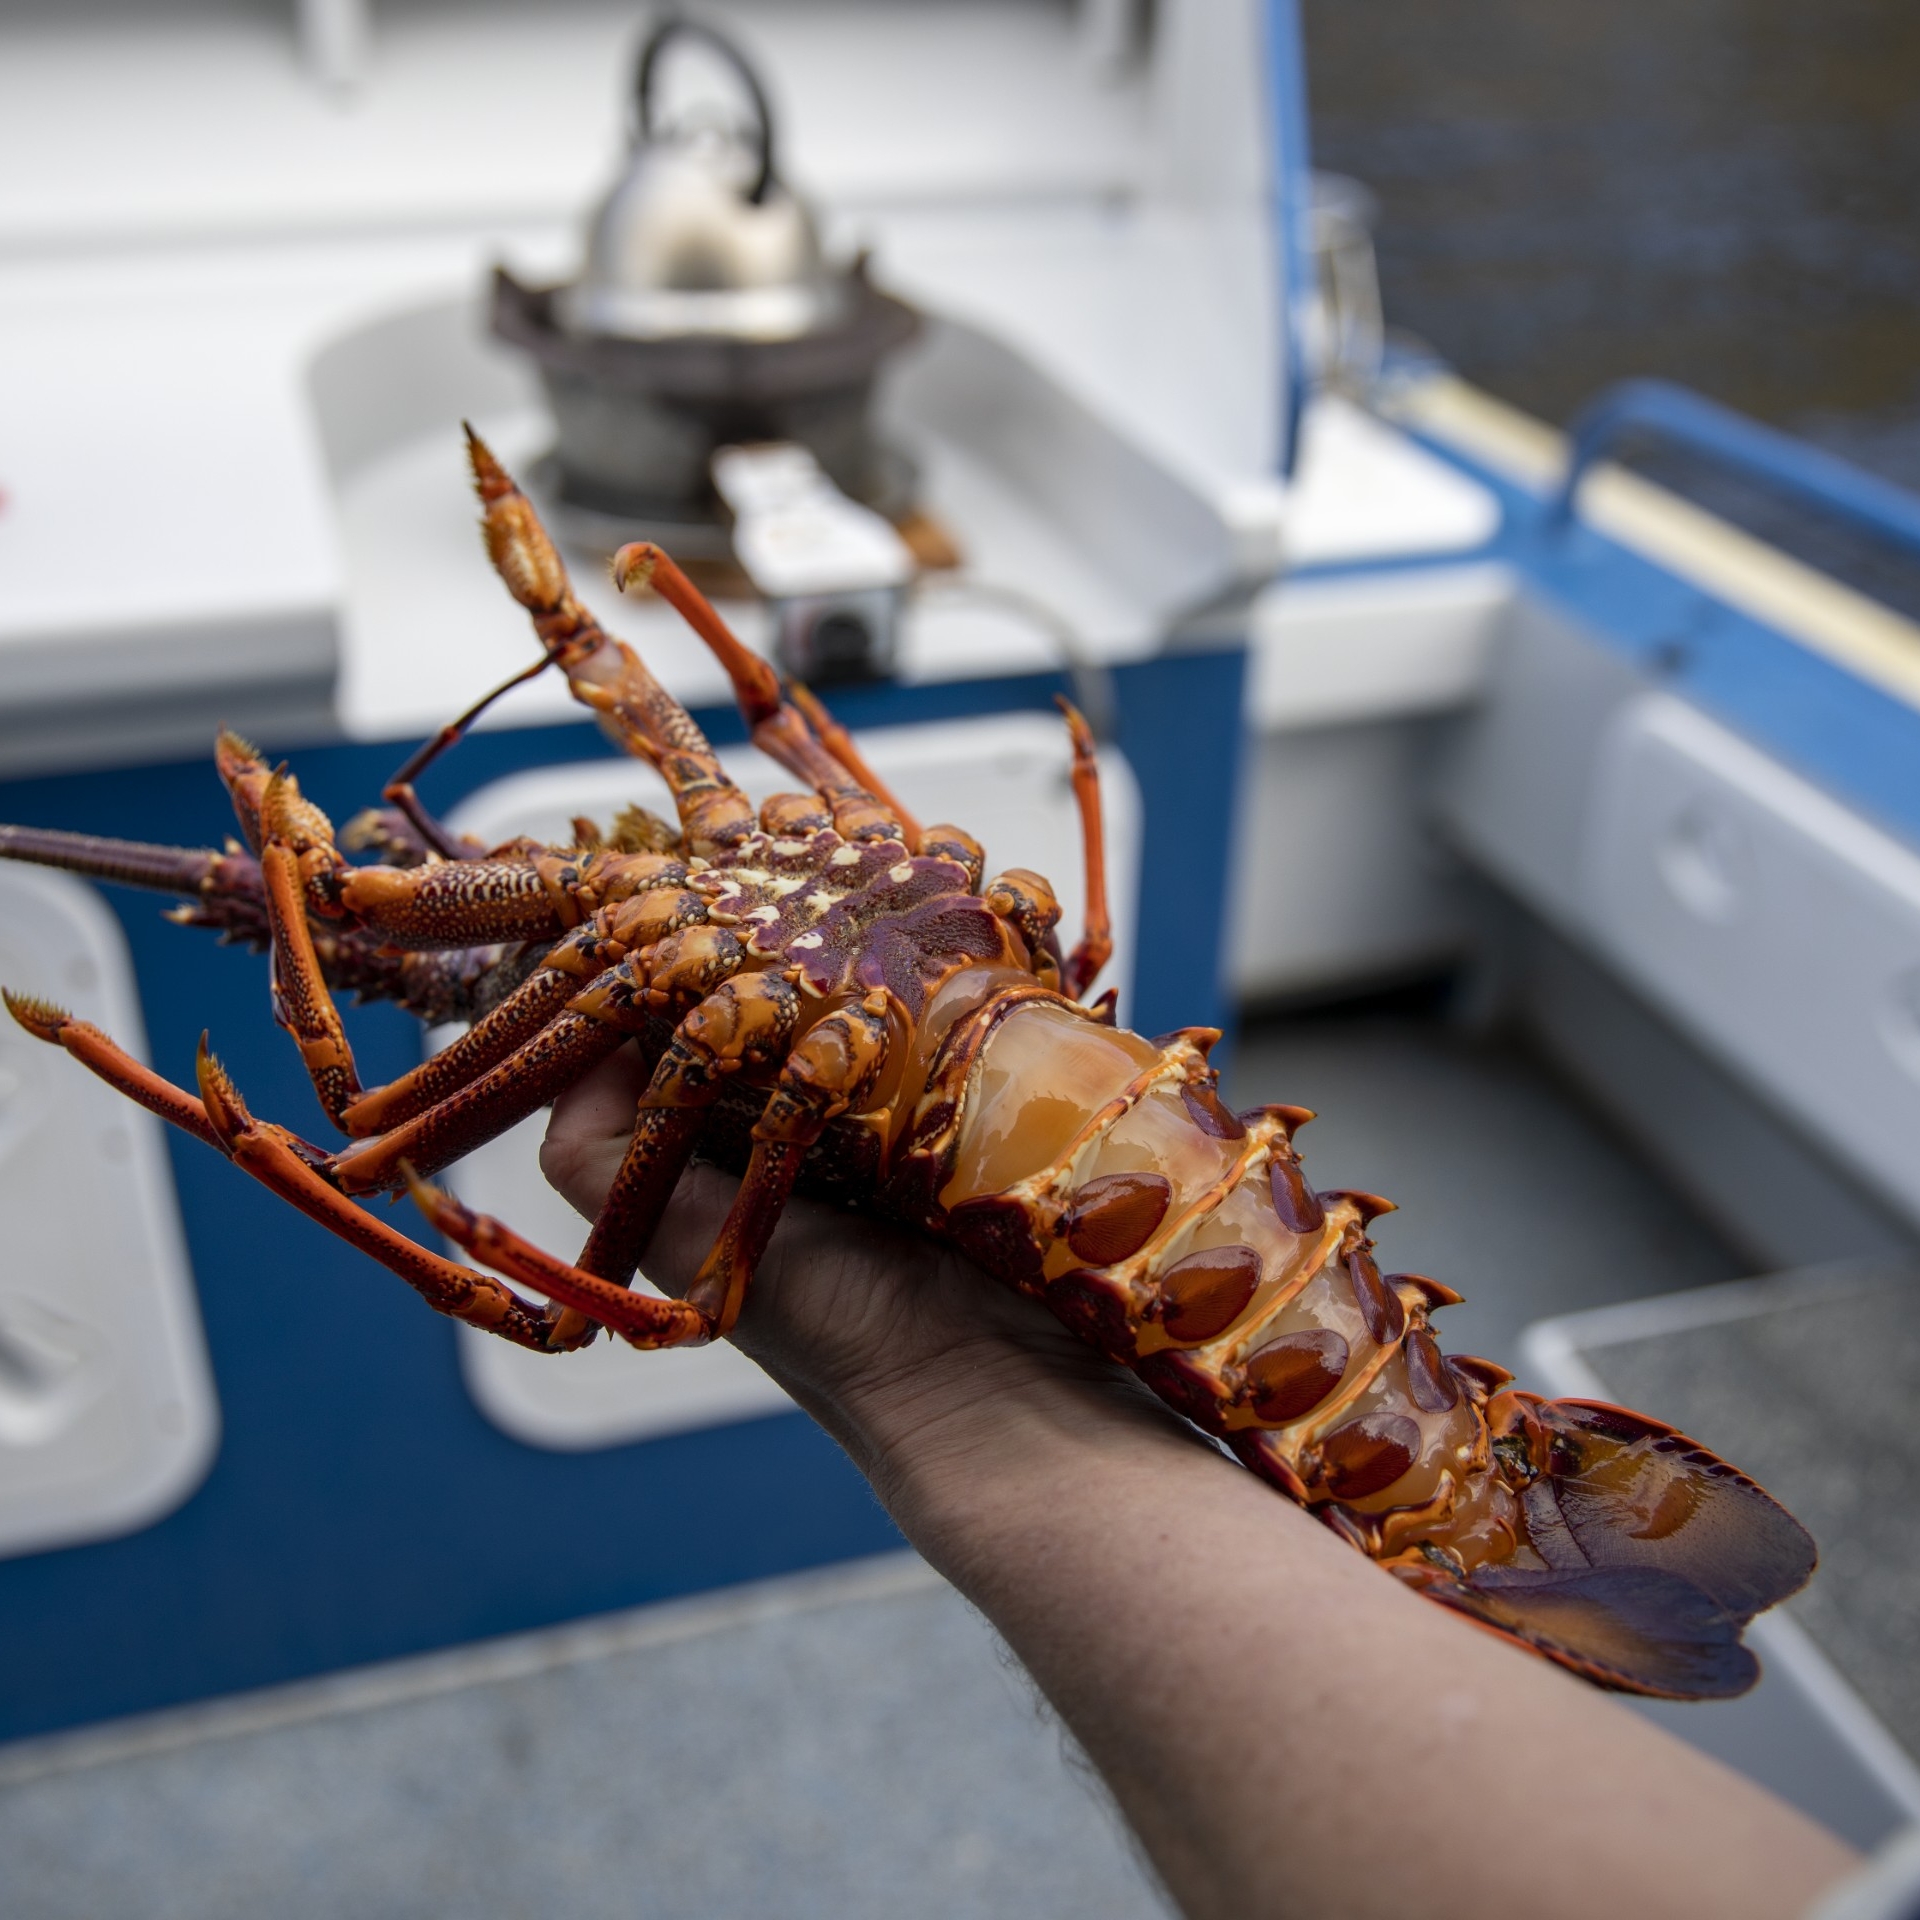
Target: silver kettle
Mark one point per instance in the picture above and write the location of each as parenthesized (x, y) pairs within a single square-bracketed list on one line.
[(699, 235)]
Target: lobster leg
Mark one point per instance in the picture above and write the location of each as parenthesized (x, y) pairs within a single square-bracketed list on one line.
[(604, 673), (304, 874), (1096, 939), (301, 1001), (445, 904), (530, 1076), (466, 903), (611, 1009), (775, 725), (835, 1065), (745, 1022), (531, 1007), (455, 984), (268, 1154), (840, 743), (223, 890), (219, 1118), (610, 677), (636, 924), (118, 1068), (638, 1318), (829, 1073)]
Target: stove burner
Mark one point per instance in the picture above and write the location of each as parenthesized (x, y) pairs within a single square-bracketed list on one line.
[(639, 420)]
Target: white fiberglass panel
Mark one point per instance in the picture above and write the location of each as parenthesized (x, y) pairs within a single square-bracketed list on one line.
[(1775, 924), (108, 1419)]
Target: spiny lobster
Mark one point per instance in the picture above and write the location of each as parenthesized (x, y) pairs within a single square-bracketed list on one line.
[(832, 1001)]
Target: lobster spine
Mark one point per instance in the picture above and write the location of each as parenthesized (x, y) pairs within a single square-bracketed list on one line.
[(1183, 1241)]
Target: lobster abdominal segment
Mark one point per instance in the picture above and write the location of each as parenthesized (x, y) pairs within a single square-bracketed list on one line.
[(830, 999)]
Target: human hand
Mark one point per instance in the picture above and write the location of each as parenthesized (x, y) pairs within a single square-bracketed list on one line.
[(906, 1352)]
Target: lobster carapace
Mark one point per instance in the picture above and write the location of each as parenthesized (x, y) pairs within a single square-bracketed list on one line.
[(832, 1000)]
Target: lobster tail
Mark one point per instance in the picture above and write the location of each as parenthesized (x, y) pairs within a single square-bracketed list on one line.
[(1633, 1629), (1615, 1489), (1099, 1172), (1642, 1555)]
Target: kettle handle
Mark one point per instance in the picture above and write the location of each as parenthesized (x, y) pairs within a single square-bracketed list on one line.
[(676, 25)]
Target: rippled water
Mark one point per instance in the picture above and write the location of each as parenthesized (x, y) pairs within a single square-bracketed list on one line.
[(1723, 192)]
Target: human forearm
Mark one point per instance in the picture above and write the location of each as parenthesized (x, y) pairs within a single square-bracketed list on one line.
[(1288, 1729)]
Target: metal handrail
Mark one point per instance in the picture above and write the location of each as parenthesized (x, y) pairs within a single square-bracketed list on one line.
[(1293, 185), (1760, 453)]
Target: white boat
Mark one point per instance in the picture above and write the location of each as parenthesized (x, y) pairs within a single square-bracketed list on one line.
[(1403, 681)]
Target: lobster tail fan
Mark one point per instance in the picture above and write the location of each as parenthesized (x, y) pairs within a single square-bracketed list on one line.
[(1620, 1490), (1656, 1553), (1631, 1628)]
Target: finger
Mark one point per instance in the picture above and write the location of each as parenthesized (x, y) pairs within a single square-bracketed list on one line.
[(811, 1239), (817, 1255), (589, 1128), (688, 1228), (603, 1102)]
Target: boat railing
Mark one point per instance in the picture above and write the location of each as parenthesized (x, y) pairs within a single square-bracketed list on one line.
[(1661, 410)]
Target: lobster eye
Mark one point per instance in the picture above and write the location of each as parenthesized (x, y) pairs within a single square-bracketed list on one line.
[(1026, 900)]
